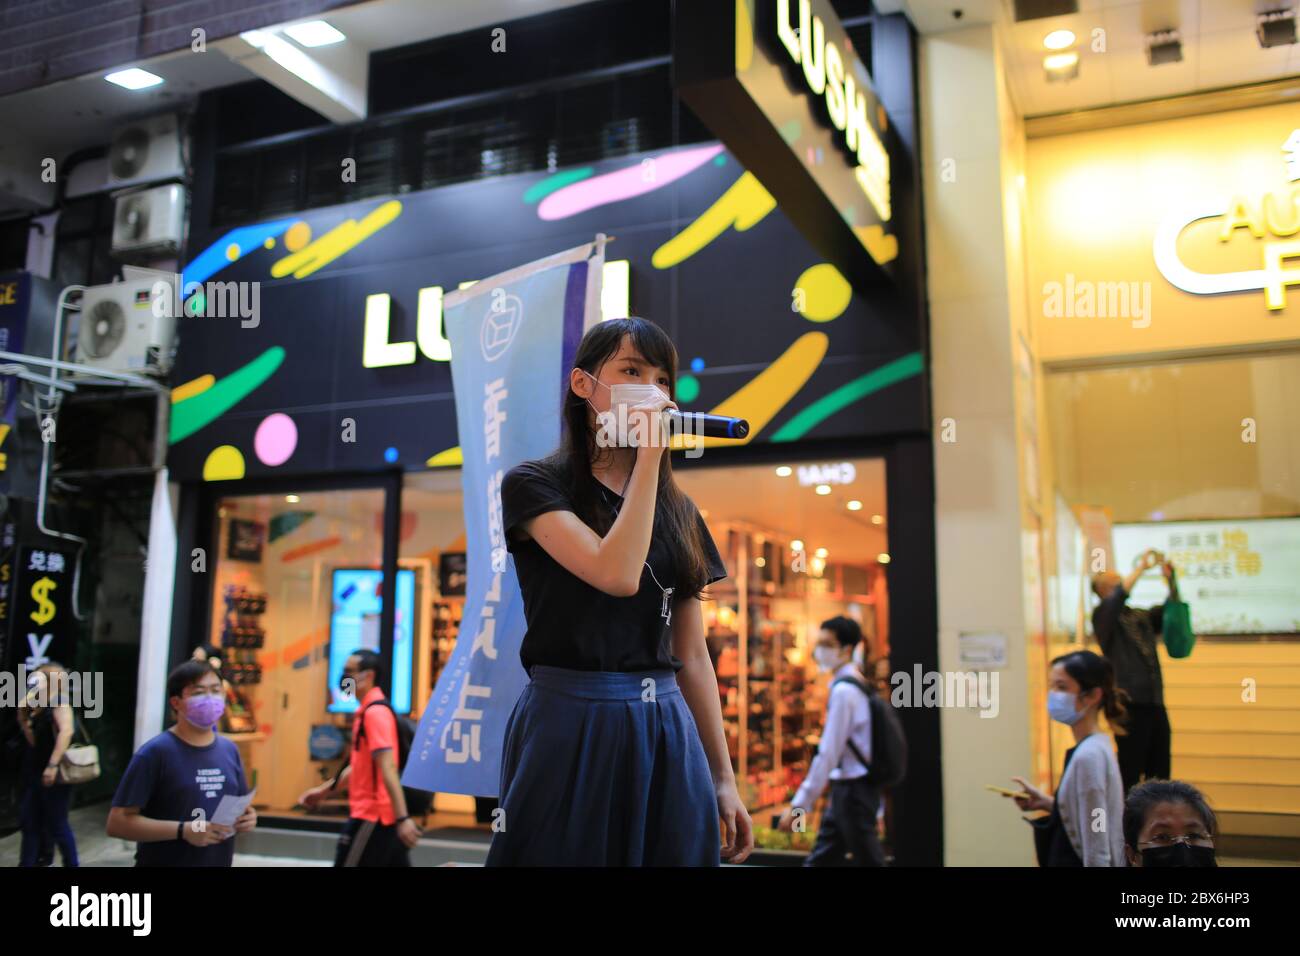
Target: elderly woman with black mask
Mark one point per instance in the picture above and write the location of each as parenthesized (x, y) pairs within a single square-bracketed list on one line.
[(1168, 823)]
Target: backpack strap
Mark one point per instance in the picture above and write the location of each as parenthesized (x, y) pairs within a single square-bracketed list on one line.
[(860, 685), (356, 739)]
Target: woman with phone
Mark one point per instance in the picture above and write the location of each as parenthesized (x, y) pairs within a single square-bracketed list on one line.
[(1084, 826), (614, 753)]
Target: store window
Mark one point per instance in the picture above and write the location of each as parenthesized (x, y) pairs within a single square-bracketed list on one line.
[(297, 587), (803, 542), (1201, 461)]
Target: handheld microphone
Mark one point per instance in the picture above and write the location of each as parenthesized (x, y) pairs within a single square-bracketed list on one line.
[(702, 423)]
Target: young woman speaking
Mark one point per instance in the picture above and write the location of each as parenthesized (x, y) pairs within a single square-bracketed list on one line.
[(614, 754)]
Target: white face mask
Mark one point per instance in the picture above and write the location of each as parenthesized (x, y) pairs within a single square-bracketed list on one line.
[(827, 659), (627, 396)]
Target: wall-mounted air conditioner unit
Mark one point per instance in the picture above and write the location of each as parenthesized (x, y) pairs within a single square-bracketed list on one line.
[(149, 223), (146, 151), (120, 332)]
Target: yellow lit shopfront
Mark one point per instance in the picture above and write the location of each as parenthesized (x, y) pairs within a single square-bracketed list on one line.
[(1162, 265)]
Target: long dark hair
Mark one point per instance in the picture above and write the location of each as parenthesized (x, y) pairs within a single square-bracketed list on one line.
[(572, 460), (1092, 670)]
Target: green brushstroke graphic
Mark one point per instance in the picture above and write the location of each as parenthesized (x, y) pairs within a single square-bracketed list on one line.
[(826, 406), (539, 191), (193, 413)]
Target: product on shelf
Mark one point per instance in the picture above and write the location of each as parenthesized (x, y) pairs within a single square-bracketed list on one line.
[(242, 634)]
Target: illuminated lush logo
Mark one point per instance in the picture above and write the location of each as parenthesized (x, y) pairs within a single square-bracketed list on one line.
[(839, 77)]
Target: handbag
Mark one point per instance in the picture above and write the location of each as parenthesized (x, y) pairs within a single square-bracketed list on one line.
[(1176, 628), (80, 762)]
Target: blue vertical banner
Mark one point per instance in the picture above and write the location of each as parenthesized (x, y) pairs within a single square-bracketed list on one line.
[(513, 338), (15, 299)]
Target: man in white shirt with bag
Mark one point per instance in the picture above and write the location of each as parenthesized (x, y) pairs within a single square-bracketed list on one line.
[(847, 836)]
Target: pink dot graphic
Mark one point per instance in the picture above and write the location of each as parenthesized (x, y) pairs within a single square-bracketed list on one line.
[(275, 440)]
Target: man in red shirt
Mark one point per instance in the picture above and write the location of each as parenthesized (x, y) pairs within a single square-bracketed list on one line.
[(379, 830)]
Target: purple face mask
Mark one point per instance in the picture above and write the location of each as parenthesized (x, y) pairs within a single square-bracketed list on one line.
[(204, 710)]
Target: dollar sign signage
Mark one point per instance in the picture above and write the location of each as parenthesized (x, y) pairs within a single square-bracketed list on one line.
[(41, 586), (44, 612)]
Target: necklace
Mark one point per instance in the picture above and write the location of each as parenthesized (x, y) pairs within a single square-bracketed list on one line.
[(665, 609)]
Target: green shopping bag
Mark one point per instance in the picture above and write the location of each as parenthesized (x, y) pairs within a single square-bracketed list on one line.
[(1176, 627)]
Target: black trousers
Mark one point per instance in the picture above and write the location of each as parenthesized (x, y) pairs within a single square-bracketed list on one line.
[(848, 832), (368, 843), (1144, 749)]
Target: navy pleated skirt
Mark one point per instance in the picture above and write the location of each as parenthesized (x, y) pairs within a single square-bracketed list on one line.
[(597, 771)]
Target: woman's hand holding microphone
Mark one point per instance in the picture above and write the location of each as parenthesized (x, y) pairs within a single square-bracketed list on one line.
[(647, 420)]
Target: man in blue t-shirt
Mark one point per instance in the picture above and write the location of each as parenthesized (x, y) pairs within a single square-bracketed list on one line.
[(174, 783)]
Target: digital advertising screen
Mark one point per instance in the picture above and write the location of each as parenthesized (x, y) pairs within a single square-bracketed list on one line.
[(354, 625)]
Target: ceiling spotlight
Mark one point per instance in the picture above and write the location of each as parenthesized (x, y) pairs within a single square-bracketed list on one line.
[(855, 505), (1276, 28), (883, 557), (1061, 67), (314, 33), (796, 545), (1059, 40), (292, 499), (877, 519), (134, 79), (1164, 46), (823, 489), (821, 552), (784, 471)]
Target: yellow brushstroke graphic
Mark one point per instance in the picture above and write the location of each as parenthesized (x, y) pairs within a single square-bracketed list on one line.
[(767, 393), (882, 246), (743, 205), (336, 242), (744, 35), (446, 457), (193, 387)]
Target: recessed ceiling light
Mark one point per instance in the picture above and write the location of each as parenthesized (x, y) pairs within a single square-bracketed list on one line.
[(1164, 46), (877, 519), (292, 499), (784, 471), (1276, 28), (823, 489), (1059, 39), (314, 33), (796, 545), (134, 79), (855, 505), (883, 557), (821, 552), (1061, 66)]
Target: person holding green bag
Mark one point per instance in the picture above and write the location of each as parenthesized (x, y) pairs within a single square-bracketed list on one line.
[(1128, 640)]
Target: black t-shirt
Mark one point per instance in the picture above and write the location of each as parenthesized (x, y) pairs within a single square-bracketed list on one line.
[(572, 624), (1128, 639)]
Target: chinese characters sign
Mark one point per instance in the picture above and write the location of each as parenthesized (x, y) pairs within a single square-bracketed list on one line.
[(1240, 577), (513, 339)]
